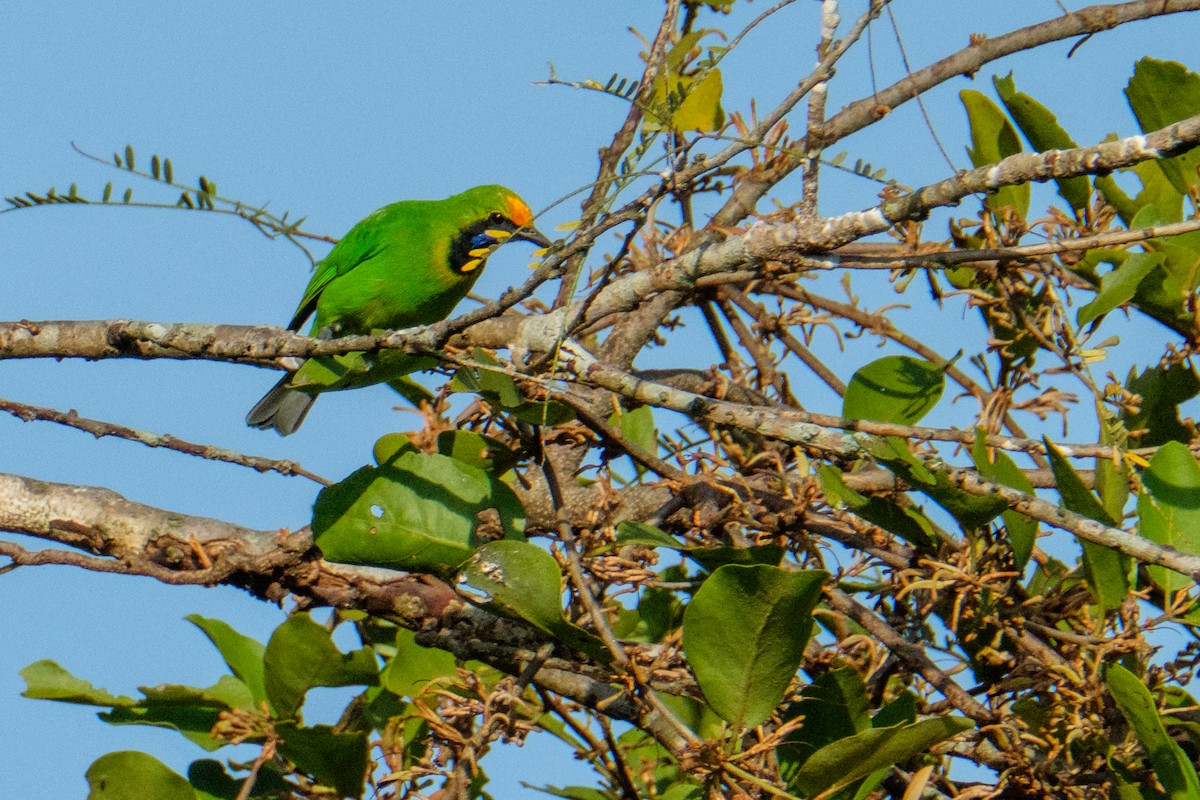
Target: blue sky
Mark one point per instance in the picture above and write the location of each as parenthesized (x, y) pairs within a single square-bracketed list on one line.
[(331, 111)]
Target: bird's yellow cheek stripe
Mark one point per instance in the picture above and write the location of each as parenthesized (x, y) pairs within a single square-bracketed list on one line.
[(473, 264)]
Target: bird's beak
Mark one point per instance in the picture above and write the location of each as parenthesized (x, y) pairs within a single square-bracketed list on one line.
[(532, 234)]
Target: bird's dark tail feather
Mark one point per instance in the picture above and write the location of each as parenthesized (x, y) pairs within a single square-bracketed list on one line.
[(282, 408)]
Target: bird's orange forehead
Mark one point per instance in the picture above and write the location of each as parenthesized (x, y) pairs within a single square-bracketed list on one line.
[(518, 212)]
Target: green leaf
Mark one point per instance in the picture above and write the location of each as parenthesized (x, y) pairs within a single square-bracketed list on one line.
[(1041, 128), (712, 558), (243, 655), (501, 390), (484, 452), (1169, 509), (898, 389), (409, 672), (633, 532), (970, 510), (1119, 285), (744, 634), (301, 655), (211, 782), (1106, 570), (1022, 531), (854, 757), (1161, 93), (1162, 390), (46, 680), (994, 138), (637, 426), (133, 775), (416, 512), (337, 760), (1171, 765), (522, 579), (834, 707), (908, 523), (191, 711)]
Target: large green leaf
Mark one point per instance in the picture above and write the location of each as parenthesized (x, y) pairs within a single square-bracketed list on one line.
[(301, 655), (133, 775), (243, 655), (336, 759), (1171, 765), (1161, 93), (1106, 570), (416, 511), (744, 634), (834, 706), (1169, 509), (994, 138), (859, 755), (522, 579), (1041, 128), (898, 389)]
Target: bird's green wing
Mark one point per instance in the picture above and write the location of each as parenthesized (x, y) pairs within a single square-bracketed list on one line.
[(360, 244)]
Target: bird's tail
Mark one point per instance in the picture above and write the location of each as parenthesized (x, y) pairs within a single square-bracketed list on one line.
[(283, 408)]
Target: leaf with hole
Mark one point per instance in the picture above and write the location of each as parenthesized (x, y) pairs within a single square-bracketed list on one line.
[(523, 580), (416, 511)]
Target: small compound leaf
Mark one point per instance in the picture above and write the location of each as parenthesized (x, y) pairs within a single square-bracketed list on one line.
[(243, 655), (133, 775), (1171, 765), (701, 109), (301, 655), (744, 634), (898, 389)]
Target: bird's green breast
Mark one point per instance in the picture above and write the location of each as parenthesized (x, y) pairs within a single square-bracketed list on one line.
[(392, 271)]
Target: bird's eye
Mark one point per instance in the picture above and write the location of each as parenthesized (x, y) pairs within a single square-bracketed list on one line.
[(496, 218)]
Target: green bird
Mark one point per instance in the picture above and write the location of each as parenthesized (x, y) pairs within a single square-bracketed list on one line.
[(407, 264)]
